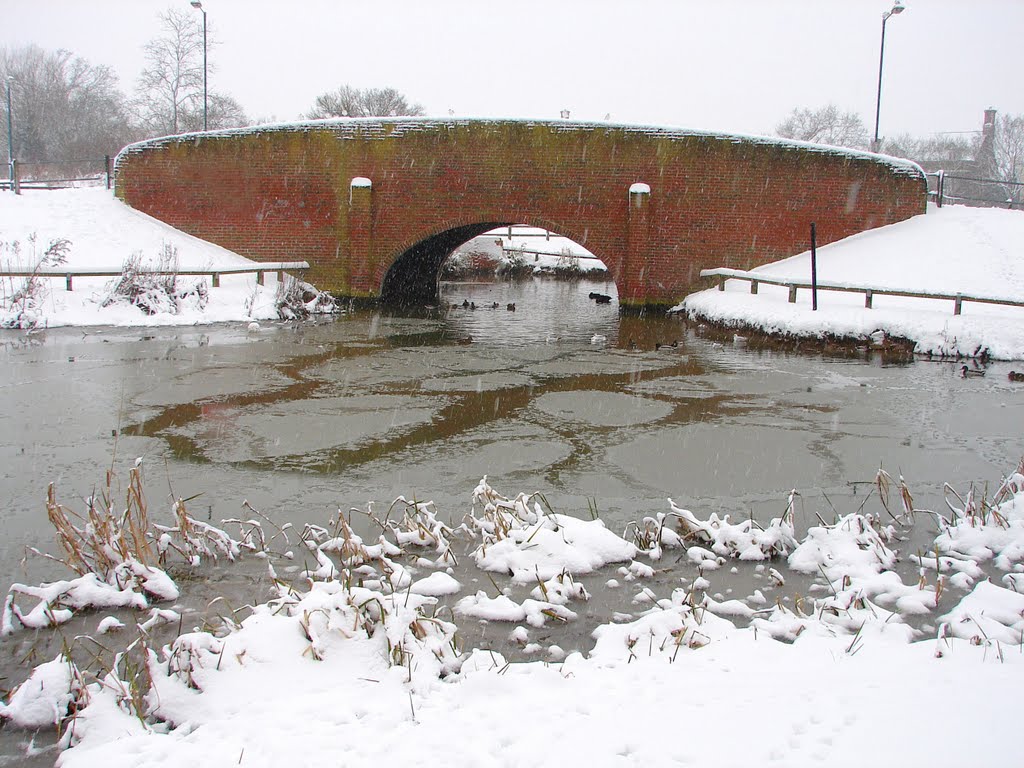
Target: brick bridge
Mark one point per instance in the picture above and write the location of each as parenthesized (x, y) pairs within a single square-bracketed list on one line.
[(376, 205)]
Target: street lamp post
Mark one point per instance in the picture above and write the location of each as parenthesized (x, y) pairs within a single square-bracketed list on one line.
[(199, 5), (897, 8), (10, 135)]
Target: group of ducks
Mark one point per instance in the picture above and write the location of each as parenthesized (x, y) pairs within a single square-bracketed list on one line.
[(599, 298), (632, 345), (467, 304), (971, 373)]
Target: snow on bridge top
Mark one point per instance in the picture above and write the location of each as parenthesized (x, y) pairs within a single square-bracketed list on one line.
[(297, 191), (370, 128)]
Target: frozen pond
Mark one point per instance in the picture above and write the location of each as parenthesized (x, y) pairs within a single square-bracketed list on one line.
[(304, 420), (562, 396)]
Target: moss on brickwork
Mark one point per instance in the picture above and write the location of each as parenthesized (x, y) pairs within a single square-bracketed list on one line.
[(283, 193)]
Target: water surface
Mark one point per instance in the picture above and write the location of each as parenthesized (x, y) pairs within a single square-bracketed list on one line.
[(562, 396)]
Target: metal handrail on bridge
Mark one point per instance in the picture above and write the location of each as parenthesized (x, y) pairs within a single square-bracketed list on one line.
[(244, 269), (793, 283)]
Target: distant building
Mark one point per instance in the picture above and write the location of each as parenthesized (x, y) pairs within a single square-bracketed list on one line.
[(970, 181)]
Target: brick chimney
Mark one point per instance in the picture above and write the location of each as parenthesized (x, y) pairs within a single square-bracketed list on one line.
[(986, 158)]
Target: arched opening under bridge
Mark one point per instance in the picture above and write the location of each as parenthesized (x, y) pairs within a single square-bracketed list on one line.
[(488, 250)]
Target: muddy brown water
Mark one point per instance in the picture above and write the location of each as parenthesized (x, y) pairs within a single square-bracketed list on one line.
[(562, 396)]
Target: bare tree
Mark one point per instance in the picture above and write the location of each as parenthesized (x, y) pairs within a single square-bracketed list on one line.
[(64, 108), (825, 125), (1009, 155), (990, 163), (949, 149), (357, 102), (170, 89)]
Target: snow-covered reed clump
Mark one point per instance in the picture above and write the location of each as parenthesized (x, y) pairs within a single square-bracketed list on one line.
[(531, 543), (23, 300), (118, 555), (362, 654), (979, 530)]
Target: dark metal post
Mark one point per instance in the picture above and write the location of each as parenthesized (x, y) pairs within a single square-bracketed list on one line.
[(878, 101), (814, 271), (106, 168), (896, 8)]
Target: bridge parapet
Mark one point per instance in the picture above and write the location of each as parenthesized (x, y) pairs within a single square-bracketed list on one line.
[(376, 205)]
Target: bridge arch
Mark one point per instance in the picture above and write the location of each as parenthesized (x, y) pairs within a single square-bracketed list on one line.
[(370, 203), (413, 274)]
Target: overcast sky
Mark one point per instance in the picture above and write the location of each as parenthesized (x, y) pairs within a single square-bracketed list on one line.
[(732, 65)]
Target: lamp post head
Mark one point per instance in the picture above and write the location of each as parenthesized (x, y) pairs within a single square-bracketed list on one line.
[(199, 5), (897, 8)]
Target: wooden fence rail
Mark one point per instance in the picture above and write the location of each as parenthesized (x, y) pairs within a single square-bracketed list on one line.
[(537, 254), (259, 269), (793, 283)]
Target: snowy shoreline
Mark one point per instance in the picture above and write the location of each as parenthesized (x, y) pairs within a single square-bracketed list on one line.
[(91, 229), (354, 659), (949, 250), (970, 250)]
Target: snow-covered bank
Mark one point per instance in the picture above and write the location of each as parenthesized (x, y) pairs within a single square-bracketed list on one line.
[(528, 250), (355, 665), (954, 249), (103, 234)]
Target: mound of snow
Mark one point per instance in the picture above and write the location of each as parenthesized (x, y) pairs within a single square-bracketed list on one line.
[(954, 249)]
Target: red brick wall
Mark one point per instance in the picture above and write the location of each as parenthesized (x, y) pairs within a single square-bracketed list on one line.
[(284, 194)]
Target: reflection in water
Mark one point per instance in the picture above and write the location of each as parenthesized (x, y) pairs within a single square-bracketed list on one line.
[(383, 404), (378, 404)]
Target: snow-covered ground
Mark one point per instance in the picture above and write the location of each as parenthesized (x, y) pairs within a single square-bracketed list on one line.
[(357, 668), (102, 234), (954, 249), (529, 247)]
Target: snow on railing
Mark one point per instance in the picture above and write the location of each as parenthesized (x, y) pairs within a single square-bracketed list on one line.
[(793, 283), (260, 269)]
